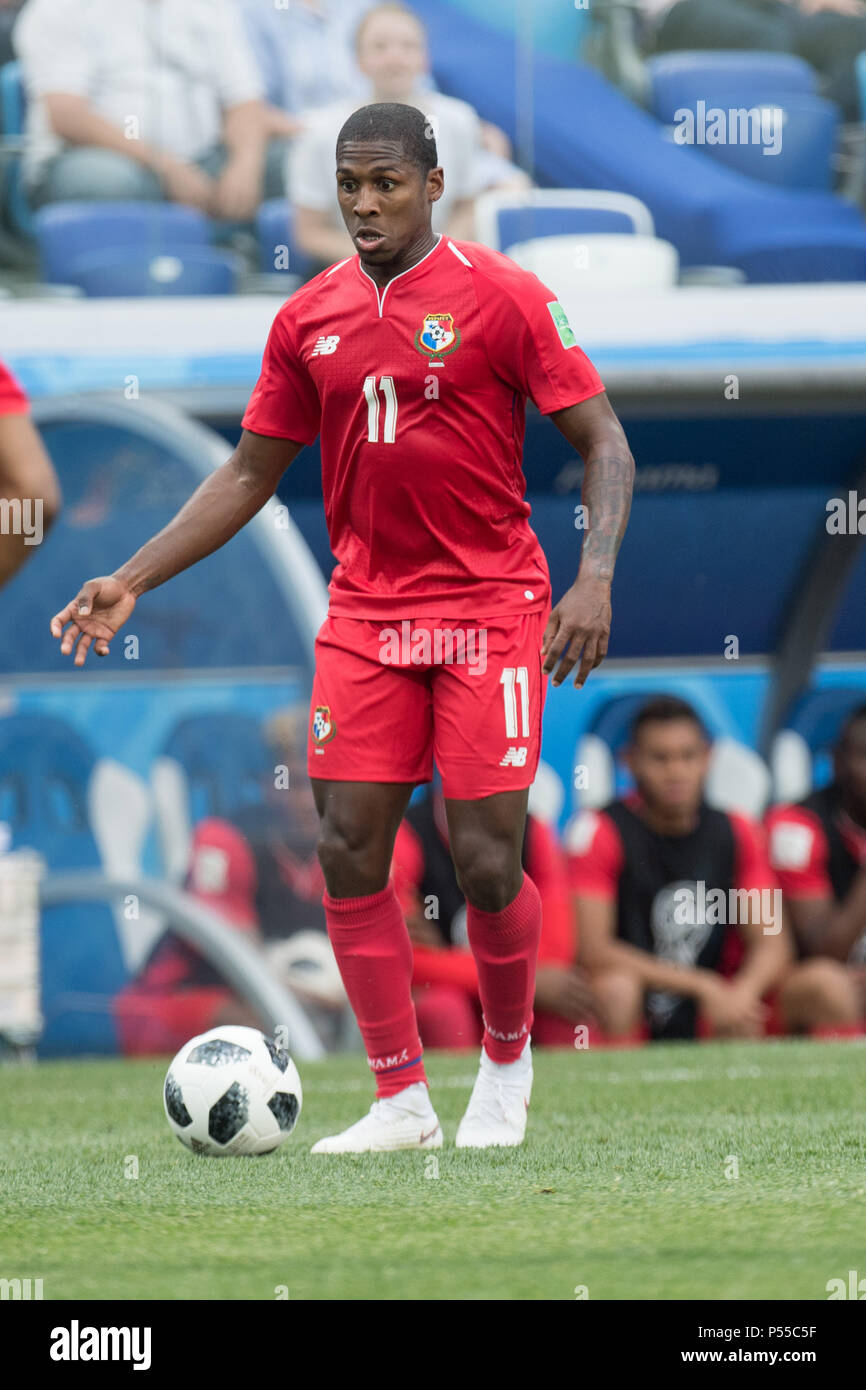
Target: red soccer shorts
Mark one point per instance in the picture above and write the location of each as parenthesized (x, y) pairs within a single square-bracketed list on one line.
[(389, 698)]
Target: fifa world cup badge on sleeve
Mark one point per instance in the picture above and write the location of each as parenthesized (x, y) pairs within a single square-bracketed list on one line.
[(563, 327), (324, 727), (437, 336)]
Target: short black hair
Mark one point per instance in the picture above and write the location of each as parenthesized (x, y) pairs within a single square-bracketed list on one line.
[(666, 709), (393, 120)]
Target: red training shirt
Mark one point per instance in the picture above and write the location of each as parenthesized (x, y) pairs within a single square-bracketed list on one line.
[(419, 393)]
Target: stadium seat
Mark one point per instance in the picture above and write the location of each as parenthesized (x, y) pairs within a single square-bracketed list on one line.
[(67, 231), (802, 752), (188, 270), (738, 779), (725, 79), (586, 134), (502, 219), (546, 795), (275, 229), (578, 264), (211, 765), (807, 139), (46, 771), (12, 112)]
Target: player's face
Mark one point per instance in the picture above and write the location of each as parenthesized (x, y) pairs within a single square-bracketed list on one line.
[(851, 765), (385, 200), (392, 52), (669, 764)]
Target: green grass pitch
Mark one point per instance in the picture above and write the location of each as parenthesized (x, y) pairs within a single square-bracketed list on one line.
[(626, 1186)]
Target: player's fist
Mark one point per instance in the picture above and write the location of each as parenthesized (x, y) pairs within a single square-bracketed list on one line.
[(94, 616)]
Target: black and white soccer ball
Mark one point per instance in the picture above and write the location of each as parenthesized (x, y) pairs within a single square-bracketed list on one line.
[(232, 1091)]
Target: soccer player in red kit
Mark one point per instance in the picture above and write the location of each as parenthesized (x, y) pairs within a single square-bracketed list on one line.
[(28, 483), (412, 362)]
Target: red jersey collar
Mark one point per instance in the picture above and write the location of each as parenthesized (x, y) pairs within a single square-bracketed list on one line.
[(421, 265)]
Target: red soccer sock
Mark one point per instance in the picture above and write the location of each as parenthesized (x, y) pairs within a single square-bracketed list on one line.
[(505, 947), (374, 953)]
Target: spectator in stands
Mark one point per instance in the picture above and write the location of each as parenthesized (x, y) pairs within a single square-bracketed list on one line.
[(261, 874), (445, 980), (392, 54), (305, 50), (670, 892), (826, 33), (29, 490), (148, 99), (818, 850)]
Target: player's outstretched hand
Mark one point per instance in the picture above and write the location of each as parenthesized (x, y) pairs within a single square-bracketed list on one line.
[(94, 616), (578, 629)]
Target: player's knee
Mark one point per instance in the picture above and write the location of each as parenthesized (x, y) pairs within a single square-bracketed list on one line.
[(488, 874), (352, 857), (819, 992)]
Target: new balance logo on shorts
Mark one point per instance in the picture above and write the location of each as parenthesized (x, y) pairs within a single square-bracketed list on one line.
[(326, 345), (515, 757)]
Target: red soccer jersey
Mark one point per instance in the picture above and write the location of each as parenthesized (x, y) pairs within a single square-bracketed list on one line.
[(12, 399), (419, 393)]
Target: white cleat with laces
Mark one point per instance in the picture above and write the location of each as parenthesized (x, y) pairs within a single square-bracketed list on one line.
[(497, 1109), (404, 1121)]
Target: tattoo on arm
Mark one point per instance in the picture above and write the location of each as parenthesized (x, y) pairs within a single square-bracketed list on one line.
[(607, 489)]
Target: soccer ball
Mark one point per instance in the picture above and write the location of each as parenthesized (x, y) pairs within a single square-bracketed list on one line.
[(232, 1091)]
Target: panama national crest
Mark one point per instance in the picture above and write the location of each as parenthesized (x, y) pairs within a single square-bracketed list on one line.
[(324, 727), (437, 336)]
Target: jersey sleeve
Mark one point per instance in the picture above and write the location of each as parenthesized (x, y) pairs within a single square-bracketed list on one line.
[(530, 343), (12, 399), (799, 853), (284, 403), (595, 855), (752, 868)]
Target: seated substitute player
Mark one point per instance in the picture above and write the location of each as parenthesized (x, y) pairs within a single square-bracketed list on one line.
[(661, 962), (413, 360), (818, 850), (444, 977), (28, 483)]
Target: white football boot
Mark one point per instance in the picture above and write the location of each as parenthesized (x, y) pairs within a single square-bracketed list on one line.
[(497, 1109), (404, 1121)]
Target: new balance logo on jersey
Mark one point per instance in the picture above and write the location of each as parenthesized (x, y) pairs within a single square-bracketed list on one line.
[(515, 757), (325, 346)]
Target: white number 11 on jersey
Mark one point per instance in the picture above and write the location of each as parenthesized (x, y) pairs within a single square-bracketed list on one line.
[(371, 396), (513, 676)]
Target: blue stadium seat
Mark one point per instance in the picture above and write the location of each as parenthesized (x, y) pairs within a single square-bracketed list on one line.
[(67, 231), (589, 135), (725, 79), (225, 760), (12, 112), (275, 228), (806, 143), (181, 270), (504, 219), (45, 771)]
